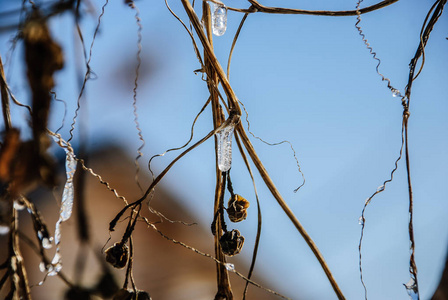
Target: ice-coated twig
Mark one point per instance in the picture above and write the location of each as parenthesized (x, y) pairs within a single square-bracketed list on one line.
[(66, 204)]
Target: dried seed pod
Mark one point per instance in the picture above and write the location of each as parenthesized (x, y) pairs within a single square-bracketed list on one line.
[(231, 242), (117, 255), (237, 208), (125, 294), (142, 295), (77, 293), (106, 286)]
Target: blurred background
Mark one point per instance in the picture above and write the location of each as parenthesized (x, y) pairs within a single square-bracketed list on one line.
[(306, 79)]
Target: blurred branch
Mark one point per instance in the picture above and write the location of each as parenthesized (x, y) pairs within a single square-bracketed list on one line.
[(5, 98)]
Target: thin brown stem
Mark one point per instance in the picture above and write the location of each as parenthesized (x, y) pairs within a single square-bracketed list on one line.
[(270, 184), (412, 263), (223, 282), (341, 13), (237, 34), (24, 290), (259, 217), (213, 61)]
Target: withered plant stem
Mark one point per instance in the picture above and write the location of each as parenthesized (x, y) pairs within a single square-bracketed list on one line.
[(214, 63), (223, 281), (23, 288), (257, 7), (234, 108)]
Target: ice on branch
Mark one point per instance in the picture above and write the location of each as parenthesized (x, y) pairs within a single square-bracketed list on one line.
[(66, 203), (225, 148), (68, 194), (219, 18), (4, 229)]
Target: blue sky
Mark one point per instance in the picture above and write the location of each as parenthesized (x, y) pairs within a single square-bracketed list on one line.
[(306, 79)]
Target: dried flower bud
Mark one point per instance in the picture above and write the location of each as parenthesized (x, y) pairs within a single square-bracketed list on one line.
[(125, 294), (117, 255), (231, 242), (237, 208)]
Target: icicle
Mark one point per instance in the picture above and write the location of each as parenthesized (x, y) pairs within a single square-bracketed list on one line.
[(225, 148), (66, 204), (411, 288), (68, 194), (56, 263), (219, 18)]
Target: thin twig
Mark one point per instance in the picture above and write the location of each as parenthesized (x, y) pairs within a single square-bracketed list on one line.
[(280, 10), (271, 186), (259, 217), (362, 219), (224, 264)]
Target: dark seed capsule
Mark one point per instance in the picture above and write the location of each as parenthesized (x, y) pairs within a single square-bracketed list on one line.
[(231, 242), (117, 255), (237, 208), (125, 294), (76, 293), (107, 285), (142, 295)]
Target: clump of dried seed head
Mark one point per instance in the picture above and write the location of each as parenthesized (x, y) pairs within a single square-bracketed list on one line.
[(117, 255), (231, 242), (237, 208)]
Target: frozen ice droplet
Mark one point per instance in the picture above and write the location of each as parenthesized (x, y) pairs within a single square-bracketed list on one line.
[(219, 18), (19, 203), (229, 267), (4, 229), (411, 288), (361, 220), (396, 93), (225, 148), (42, 267), (46, 243), (56, 269)]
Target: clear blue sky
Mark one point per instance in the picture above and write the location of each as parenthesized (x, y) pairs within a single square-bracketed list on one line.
[(309, 80)]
